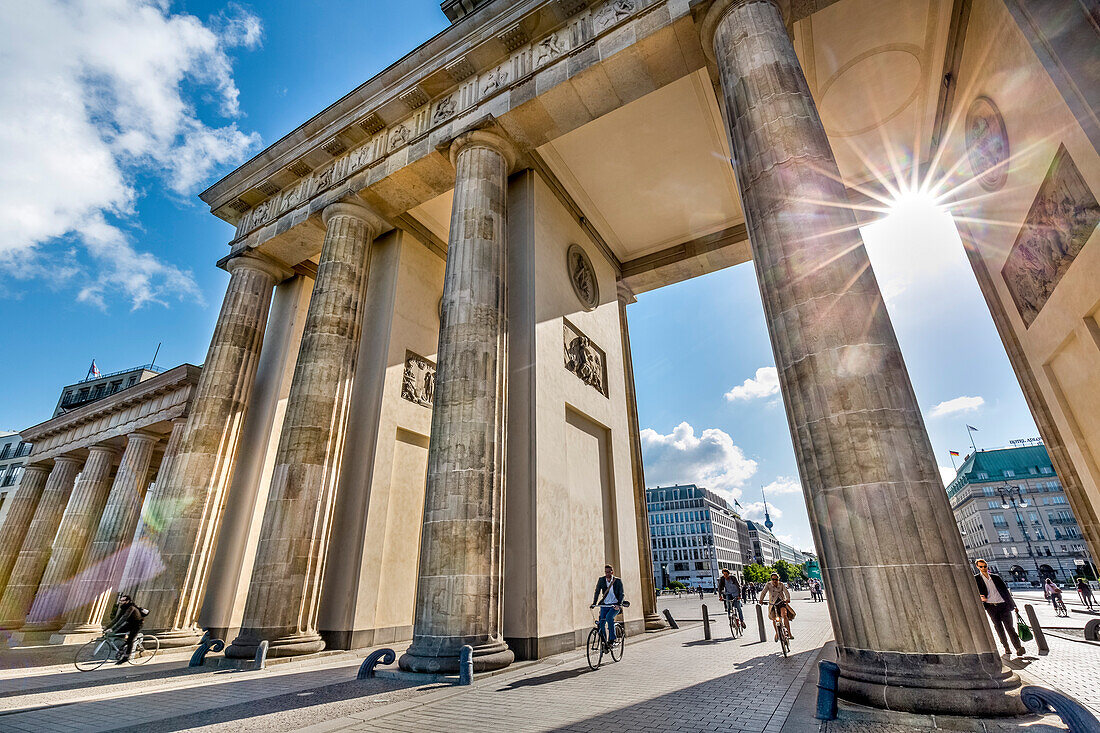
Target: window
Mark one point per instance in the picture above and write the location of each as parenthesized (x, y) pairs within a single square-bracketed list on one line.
[(988, 491), (67, 398), (115, 386), (1057, 500), (133, 380), (99, 390), (1046, 469), (999, 520), (982, 475), (994, 505), (1009, 473)]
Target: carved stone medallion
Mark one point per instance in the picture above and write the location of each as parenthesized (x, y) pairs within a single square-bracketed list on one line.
[(585, 359), (987, 143), (418, 383), (583, 276)]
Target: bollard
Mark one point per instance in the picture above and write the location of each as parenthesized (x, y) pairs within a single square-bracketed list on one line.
[(1075, 715), (1092, 630), (466, 665), (760, 622), (261, 655), (1040, 637), (208, 645), (366, 669), (671, 621), (706, 623), (828, 675)]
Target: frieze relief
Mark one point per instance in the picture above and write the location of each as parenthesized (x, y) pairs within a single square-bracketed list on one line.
[(1061, 219), (418, 382), (585, 359), (581, 29)]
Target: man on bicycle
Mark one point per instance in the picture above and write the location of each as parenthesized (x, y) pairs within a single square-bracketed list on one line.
[(610, 602), (779, 598), (730, 591), (128, 620)]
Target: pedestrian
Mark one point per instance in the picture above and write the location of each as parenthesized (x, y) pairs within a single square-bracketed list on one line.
[(1085, 592), (999, 605)]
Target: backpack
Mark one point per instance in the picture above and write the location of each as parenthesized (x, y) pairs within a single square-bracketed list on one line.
[(143, 611)]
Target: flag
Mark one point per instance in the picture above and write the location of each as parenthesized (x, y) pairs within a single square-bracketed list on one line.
[(971, 427), (93, 371), (737, 503), (954, 453)]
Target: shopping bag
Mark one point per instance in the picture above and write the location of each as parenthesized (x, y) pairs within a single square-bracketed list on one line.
[(1023, 629)]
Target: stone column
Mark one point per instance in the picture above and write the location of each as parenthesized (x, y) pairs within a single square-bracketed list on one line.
[(189, 499), (27, 571), (653, 620), (458, 598), (78, 522), (23, 506), (877, 506), (106, 556), (286, 577)]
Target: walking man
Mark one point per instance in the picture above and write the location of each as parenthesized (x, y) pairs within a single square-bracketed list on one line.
[(999, 605), (1085, 592)]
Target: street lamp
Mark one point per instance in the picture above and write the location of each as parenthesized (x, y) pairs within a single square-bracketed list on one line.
[(1014, 497)]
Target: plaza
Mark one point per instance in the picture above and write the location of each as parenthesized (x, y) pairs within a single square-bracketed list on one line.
[(416, 424)]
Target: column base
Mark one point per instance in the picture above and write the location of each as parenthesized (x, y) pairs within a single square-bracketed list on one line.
[(175, 638), (75, 637), (967, 685), (654, 622), (42, 627), (292, 645), (487, 657)]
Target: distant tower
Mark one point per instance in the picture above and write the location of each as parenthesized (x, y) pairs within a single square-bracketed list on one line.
[(767, 517)]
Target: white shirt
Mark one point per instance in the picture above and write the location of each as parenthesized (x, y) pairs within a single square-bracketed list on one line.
[(992, 595), (610, 599)]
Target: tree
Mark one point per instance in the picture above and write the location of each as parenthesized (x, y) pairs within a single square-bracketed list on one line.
[(787, 571), (756, 573)]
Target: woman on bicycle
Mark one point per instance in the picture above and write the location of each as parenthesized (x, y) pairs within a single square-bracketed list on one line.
[(779, 598)]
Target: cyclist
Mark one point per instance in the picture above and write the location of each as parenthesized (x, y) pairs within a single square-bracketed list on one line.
[(730, 591), (1053, 592), (610, 602), (128, 620), (779, 598)]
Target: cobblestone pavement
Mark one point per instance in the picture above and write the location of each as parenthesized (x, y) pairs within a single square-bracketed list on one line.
[(1072, 667)]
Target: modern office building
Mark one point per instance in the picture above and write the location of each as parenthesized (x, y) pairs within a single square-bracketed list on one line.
[(1012, 511), (790, 553), (694, 533), (13, 453), (96, 387), (765, 546)]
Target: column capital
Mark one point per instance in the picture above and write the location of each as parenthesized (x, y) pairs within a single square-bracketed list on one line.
[(720, 8), (68, 458), (139, 435), (484, 139), (357, 210), (625, 294), (106, 448), (254, 260)]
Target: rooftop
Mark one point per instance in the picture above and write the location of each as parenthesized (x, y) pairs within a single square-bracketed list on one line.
[(1000, 464)]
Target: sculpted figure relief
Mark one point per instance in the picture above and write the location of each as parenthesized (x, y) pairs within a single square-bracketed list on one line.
[(445, 109), (1062, 217), (585, 359), (418, 382), (987, 143), (494, 80), (583, 277), (549, 48), (399, 135), (613, 12)]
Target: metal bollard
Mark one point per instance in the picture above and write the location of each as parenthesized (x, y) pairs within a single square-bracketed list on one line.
[(1092, 630), (208, 645), (828, 675), (366, 669), (671, 621), (261, 655), (706, 623), (1075, 715), (1040, 637), (760, 622), (466, 665)]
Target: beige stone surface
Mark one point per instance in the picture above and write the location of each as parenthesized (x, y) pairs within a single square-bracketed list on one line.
[(283, 596), (23, 505), (78, 524), (100, 568), (188, 501)]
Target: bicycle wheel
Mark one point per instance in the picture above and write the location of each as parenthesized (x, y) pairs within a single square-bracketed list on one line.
[(740, 627), (620, 642), (93, 654), (784, 641), (594, 650), (144, 649)]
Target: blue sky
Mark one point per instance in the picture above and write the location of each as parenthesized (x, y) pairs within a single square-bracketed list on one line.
[(106, 251)]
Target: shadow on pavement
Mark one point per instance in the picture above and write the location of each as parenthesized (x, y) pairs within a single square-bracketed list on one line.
[(546, 679)]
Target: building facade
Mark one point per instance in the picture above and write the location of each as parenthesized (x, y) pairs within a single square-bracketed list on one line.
[(1012, 511), (13, 454), (96, 388), (765, 546), (693, 534)]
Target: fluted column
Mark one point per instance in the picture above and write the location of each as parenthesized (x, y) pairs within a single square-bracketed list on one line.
[(26, 574), (20, 514), (77, 525), (290, 556), (102, 564), (877, 507), (458, 597), (190, 497), (653, 620)]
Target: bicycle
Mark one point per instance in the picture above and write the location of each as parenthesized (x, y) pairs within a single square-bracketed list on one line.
[(597, 642), (96, 652), (1060, 609), (737, 626), (781, 629)]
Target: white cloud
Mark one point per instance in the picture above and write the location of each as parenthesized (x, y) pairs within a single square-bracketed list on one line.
[(764, 384), (783, 485), (710, 460), (755, 511), (95, 93), (959, 404), (947, 474)]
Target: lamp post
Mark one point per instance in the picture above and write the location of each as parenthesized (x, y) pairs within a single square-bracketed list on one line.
[(1014, 497)]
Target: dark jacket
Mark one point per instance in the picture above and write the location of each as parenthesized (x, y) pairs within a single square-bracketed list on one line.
[(601, 589), (728, 586), (128, 618), (999, 584)]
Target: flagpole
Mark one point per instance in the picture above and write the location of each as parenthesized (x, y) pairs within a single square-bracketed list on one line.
[(970, 432), (952, 455)]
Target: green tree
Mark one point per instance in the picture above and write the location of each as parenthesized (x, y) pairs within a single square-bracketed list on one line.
[(787, 571), (756, 573)]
